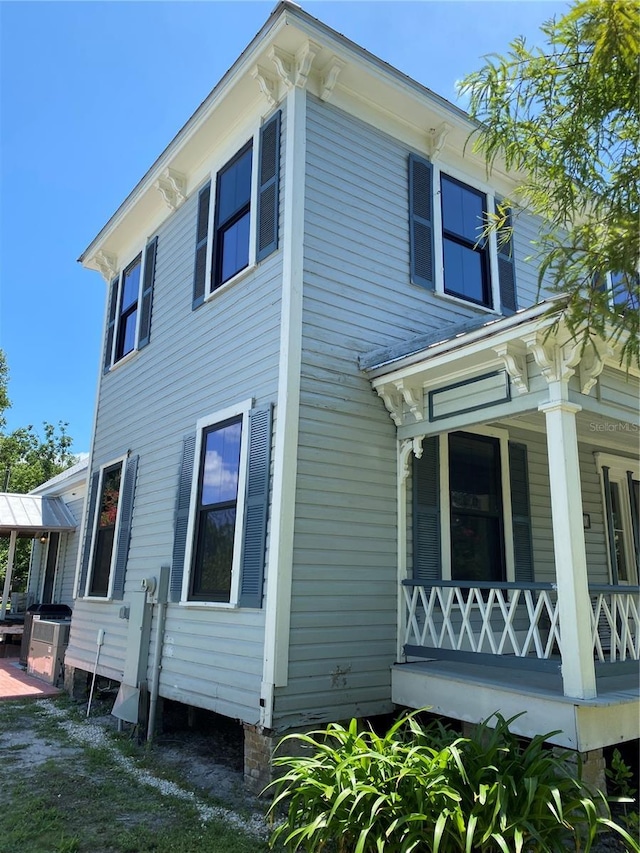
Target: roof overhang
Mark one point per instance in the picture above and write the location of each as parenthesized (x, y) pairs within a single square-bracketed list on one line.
[(504, 367), (291, 49), (31, 515)]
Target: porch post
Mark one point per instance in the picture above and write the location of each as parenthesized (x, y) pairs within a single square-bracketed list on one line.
[(574, 604), (9, 572)]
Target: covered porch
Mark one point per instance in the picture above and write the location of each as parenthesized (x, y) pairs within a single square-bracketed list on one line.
[(517, 496)]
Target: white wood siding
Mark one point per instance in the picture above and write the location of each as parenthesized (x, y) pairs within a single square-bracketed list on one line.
[(197, 362)]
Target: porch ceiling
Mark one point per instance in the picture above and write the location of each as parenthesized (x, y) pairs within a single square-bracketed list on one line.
[(29, 515)]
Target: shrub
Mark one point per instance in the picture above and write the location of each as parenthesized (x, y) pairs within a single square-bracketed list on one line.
[(420, 789)]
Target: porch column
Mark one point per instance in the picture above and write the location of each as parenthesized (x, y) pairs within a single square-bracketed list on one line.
[(9, 572), (574, 604)]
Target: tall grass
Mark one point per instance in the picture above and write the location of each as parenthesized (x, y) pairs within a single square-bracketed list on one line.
[(423, 789)]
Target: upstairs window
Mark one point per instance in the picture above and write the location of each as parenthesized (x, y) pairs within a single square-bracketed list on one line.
[(465, 250), (233, 217), (241, 228), (130, 302), (128, 309), (448, 253), (105, 529)]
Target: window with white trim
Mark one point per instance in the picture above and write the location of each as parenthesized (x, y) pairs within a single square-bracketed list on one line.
[(105, 549), (240, 228), (222, 504), (448, 252), (471, 513), (130, 304), (620, 480)]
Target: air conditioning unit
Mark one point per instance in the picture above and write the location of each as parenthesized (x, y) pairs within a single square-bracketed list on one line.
[(48, 642)]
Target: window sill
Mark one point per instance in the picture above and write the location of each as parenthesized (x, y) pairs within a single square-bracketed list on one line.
[(124, 360), (458, 300), (239, 276), (209, 605)]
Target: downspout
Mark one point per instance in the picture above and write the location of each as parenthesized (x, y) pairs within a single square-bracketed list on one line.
[(161, 612)]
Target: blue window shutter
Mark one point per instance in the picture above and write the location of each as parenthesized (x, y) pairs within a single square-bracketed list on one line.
[(202, 230), (124, 527), (182, 517), (421, 221), (427, 552), (147, 292), (111, 323), (268, 188), (521, 513), (256, 507), (507, 270), (88, 532), (608, 508)]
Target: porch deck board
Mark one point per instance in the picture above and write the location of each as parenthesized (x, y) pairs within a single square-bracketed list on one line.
[(611, 688)]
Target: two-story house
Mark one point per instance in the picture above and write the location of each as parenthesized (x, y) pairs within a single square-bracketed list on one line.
[(345, 456)]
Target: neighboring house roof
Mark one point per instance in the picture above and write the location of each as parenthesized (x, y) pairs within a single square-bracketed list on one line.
[(62, 482), (32, 514)]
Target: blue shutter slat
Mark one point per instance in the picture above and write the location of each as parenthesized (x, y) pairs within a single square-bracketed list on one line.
[(124, 527), (521, 513), (88, 531), (421, 221), (111, 323), (182, 517), (256, 508), (427, 552), (147, 293), (202, 230), (268, 188), (507, 271)]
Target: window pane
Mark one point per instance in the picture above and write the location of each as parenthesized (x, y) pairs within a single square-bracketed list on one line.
[(102, 562), (234, 190), (477, 546), (110, 496), (464, 272), (214, 557), (127, 339), (618, 532), (462, 210), (130, 287), (221, 465), (235, 248)]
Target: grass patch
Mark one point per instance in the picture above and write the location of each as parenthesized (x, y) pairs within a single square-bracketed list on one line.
[(89, 798)]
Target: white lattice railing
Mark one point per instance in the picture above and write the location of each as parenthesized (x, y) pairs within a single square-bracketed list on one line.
[(496, 619), (615, 623), (516, 619)]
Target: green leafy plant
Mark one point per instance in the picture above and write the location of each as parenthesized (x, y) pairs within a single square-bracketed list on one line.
[(418, 789), (623, 793)]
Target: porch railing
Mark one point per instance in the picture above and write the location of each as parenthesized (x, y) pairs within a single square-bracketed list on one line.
[(615, 623), (451, 619)]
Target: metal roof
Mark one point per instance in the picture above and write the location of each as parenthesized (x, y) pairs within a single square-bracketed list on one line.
[(32, 514)]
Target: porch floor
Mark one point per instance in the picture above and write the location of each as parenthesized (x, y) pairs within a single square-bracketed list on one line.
[(473, 692), (15, 683)]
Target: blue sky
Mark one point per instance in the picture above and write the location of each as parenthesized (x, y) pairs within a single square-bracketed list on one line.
[(92, 92)]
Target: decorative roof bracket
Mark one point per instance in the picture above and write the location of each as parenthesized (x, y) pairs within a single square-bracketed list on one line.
[(107, 264), (514, 357), (409, 446), (172, 186), (329, 77), (436, 137)]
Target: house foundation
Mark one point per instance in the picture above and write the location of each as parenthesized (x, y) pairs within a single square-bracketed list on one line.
[(76, 682), (259, 746)]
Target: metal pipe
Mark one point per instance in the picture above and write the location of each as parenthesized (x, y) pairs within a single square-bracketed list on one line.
[(161, 605), (100, 641)]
